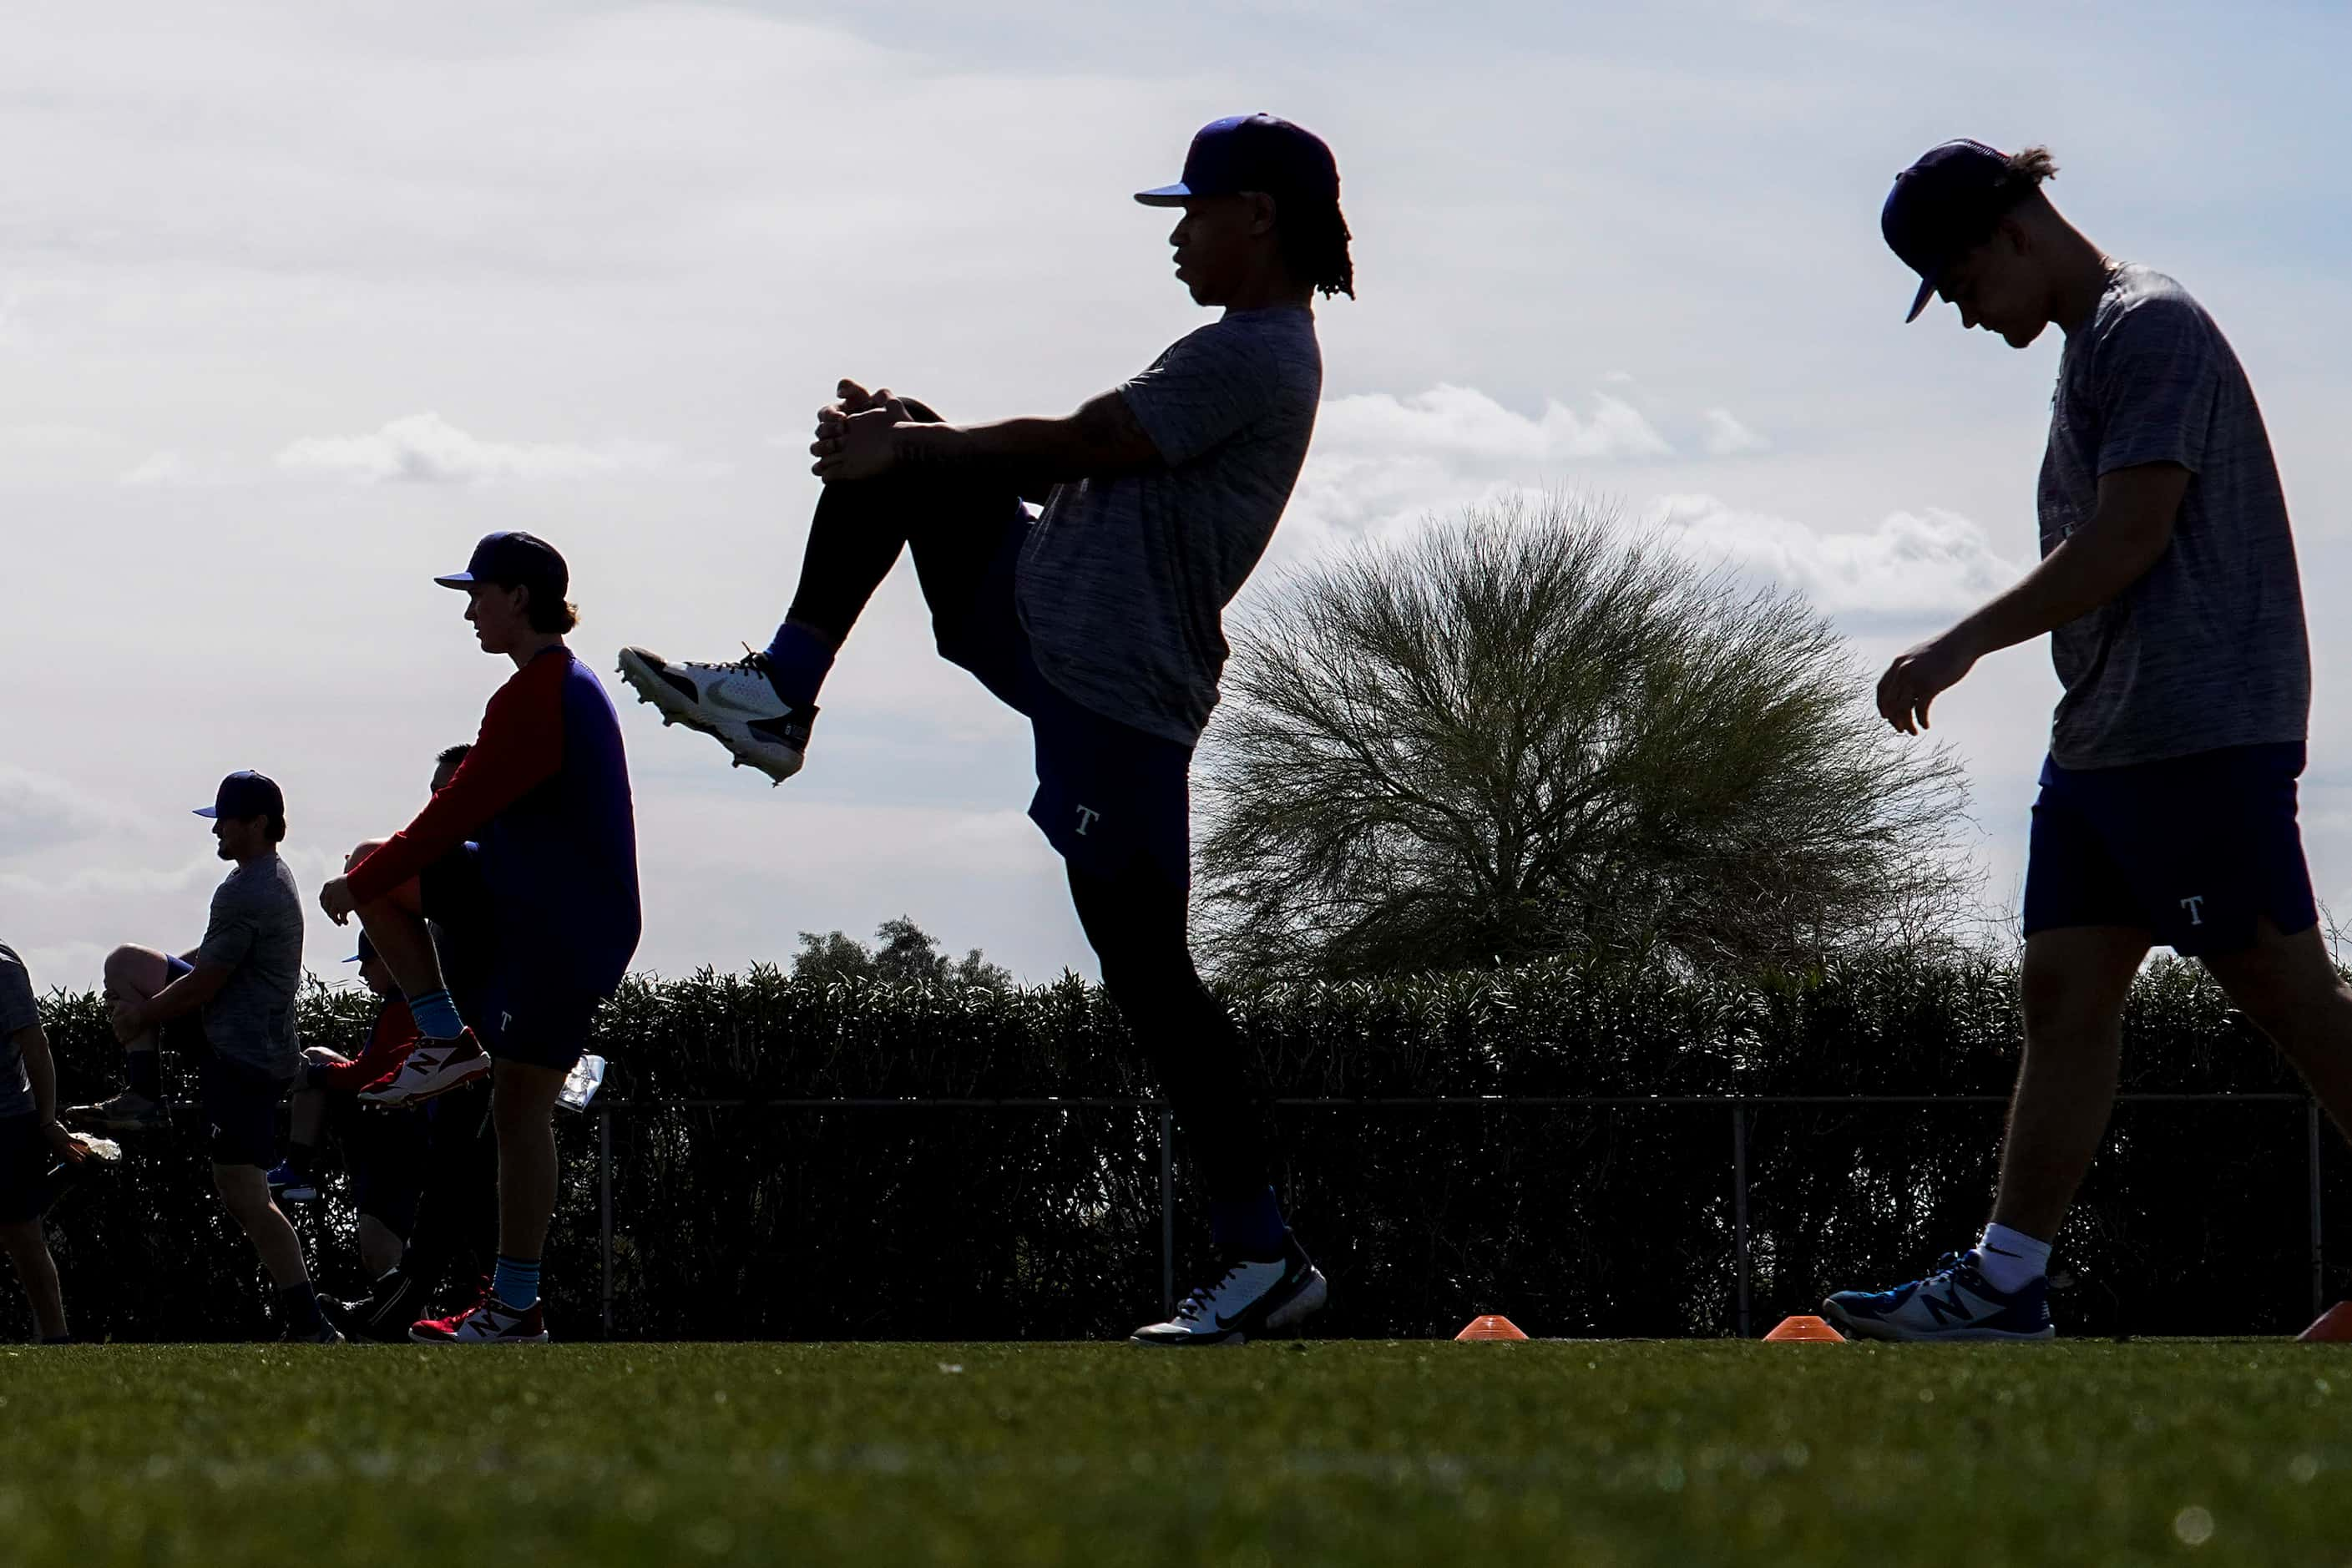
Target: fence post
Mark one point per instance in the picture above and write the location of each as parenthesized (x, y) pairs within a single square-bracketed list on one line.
[(1167, 1212), (1739, 1207), (605, 1195), (2319, 1258)]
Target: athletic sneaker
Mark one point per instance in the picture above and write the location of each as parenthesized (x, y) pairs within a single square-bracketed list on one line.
[(288, 1185), (126, 1113), (1251, 1297), (489, 1321), (325, 1333), (1954, 1302), (433, 1067), (735, 704), (384, 1315)]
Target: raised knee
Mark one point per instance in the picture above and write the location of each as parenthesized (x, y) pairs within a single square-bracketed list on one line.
[(367, 847)]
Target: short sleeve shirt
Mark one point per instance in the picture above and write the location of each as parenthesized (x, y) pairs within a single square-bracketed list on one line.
[(19, 1010), (2208, 649), (1124, 581), (255, 932)]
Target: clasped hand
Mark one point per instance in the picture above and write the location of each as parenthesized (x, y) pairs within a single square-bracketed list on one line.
[(854, 434)]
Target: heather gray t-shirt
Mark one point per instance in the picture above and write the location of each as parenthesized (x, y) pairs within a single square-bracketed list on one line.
[(1124, 581), (2208, 649), (256, 933), (19, 1010)]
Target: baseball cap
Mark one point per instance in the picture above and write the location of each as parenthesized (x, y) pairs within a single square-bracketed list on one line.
[(244, 795), (366, 952), (1252, 152), (513, 556), (1945, 206)]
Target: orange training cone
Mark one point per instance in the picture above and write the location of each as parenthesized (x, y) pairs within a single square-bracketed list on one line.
[(2334, 1327), (1806, 1330), (1491, 1327)]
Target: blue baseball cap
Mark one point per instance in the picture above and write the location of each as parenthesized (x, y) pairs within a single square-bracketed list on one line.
[(1252, 152), (244, 795), (1945, 206), (366, 952), (515, 559)]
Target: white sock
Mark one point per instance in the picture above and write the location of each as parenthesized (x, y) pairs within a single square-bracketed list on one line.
[(2009, 1259)]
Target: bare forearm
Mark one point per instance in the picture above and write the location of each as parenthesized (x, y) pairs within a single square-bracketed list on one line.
[(186, 995), (2090, 569), (1045, 448)]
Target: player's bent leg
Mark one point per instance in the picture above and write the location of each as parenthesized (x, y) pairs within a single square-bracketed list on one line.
[(2288, 987), (28, 1249), (763, 706), (140, 972), (2075, 982)]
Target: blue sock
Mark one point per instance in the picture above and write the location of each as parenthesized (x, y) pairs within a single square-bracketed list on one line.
[(516, 1282), (1251, 1227), (436, 1015), (797, 663)]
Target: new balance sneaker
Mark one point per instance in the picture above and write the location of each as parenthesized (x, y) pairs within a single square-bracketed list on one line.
[(126, 1113), (1954, 1302), (288, 1185), (489, 1321), (735, 704), (386, 1313), (1251, 1297), (433, 1067)]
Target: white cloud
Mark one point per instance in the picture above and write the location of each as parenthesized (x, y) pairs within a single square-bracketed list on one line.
[(37, 812), (1911, 564), (426, 448), (1462, 422), (1726, 437)]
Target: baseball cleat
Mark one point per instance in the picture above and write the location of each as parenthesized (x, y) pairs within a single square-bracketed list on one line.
[(1251, 1297), (735, 704)]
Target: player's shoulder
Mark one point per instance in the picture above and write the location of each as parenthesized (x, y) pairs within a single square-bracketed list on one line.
[(2141, 305)]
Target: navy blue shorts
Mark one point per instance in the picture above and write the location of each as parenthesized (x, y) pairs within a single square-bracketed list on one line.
[(2194, 849), (539, 1022), (1110, 798), (240, 1107), (25, 1161)]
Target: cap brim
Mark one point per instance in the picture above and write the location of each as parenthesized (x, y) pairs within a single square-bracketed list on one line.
[(207, 811), (1174, 195), (1919, 300), (456, 580)]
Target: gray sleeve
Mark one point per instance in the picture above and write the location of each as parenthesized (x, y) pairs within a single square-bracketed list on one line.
[(1204, 388), (19, 1008), (229, 935), (2154, 380)]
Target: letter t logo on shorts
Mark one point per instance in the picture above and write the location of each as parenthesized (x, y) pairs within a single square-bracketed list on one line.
[(1087, 817), (2196, 908)]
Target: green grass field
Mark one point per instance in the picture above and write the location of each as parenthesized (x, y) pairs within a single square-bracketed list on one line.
[(1277, 1454)]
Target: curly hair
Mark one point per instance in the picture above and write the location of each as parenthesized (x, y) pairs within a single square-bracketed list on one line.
[(1314, 241)]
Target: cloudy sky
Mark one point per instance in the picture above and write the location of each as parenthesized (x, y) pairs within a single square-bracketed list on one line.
[(295, 302)]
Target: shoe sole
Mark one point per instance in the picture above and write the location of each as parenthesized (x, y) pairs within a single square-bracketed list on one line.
[(646, 682), (1307, 1299), (435, 1093), (1855, 1327)]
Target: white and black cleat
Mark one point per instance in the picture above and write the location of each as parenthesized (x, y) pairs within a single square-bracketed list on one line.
[(735, 704), (1252, 1298)]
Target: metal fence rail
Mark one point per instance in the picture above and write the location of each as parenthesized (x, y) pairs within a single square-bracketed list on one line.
[(1739, 1108)]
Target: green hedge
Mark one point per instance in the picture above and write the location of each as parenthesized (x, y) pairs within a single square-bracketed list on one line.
[(735, 1220)]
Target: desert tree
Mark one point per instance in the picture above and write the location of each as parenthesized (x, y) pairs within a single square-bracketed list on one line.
[(1531, 730)]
